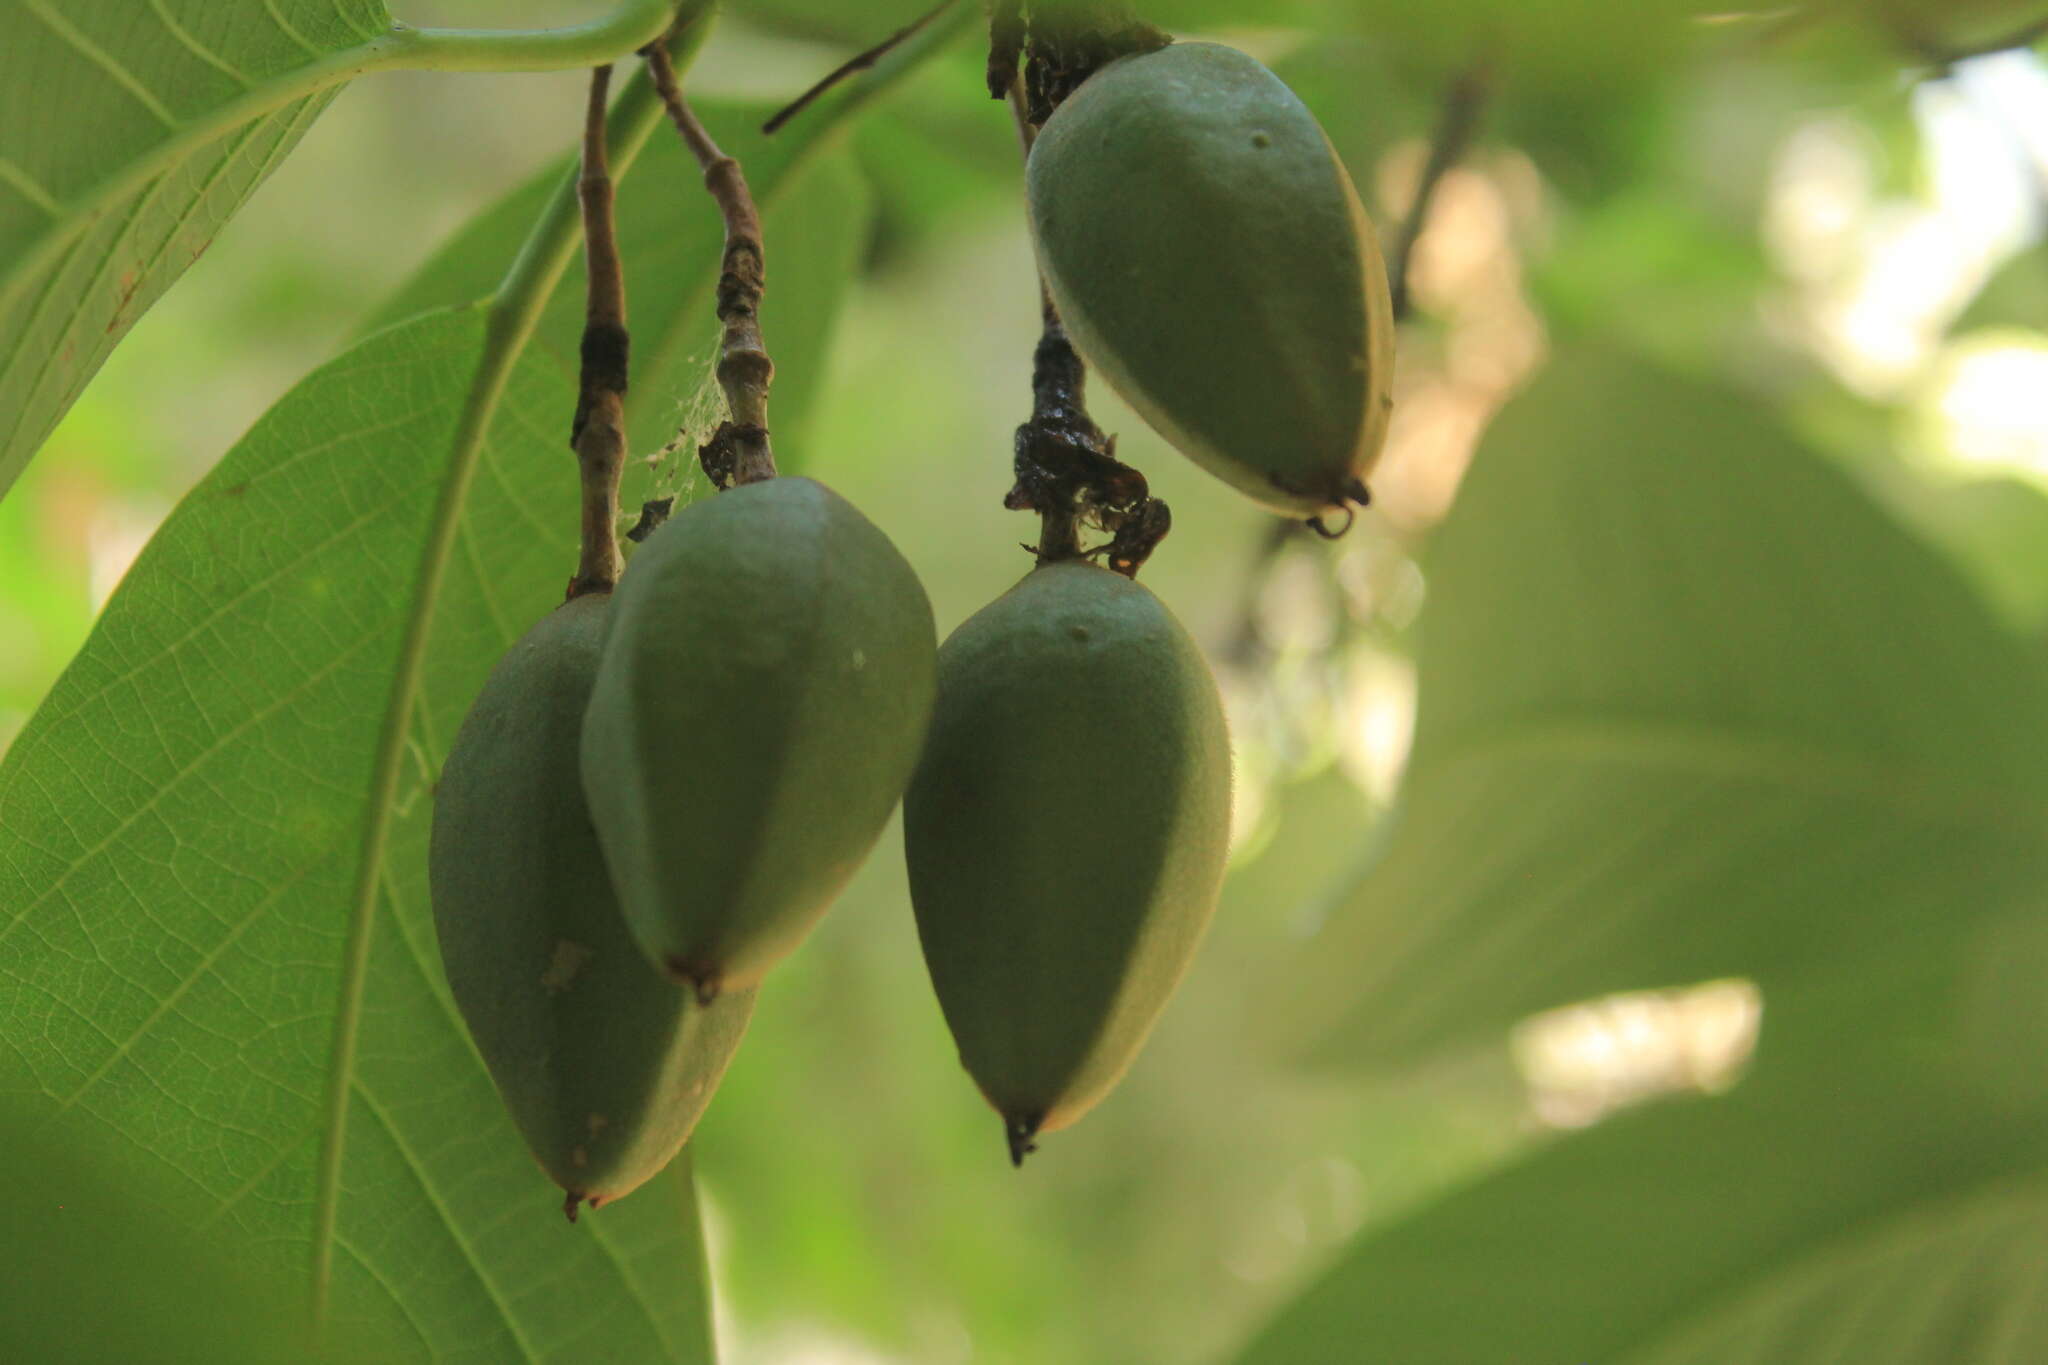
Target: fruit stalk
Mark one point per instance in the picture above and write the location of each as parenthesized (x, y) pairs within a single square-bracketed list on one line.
[(598, 433), (1065, 465), (738, 452)]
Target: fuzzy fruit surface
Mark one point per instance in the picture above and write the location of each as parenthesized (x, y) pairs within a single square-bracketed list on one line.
[(605, 1065), (1210, 258), (1065, 834), (763, 695)]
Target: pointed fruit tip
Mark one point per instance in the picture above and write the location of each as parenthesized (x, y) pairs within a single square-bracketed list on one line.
[(1019, 1133), (569, 1205), (704, 986)]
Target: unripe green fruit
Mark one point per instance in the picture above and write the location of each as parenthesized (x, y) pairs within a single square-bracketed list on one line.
[(761, 702), (605, 1065), (1065, 834), (1210, 258)]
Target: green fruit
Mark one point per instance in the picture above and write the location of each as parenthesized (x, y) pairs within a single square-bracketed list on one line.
[(605, 1065), (1209, 256), (762, 699), (1065, 833)]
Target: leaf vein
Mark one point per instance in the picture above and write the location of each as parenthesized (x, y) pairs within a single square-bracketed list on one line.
[(101, 58)]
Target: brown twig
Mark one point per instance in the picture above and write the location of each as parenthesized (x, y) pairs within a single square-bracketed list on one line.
[(1456, 126), (1066, 467), (738, 452), (852, 66), (598, 433)]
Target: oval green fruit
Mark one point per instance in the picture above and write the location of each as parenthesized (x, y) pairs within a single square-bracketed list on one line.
[(604, 1064), (761, 702), (1210, 258), (1065, 834)]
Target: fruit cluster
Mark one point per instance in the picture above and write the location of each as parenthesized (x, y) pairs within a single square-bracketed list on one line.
[(662, 788)]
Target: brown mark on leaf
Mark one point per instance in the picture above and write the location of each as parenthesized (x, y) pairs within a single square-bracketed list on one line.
[(130, 282)]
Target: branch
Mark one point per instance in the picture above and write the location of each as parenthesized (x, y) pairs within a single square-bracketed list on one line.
[(738, 451), (852, 65), (1455, 128), (599, 431)]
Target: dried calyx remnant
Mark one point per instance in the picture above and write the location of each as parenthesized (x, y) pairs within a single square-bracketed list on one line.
[(738, 451), (1061, 43), (1068, 473), (1065, 465)]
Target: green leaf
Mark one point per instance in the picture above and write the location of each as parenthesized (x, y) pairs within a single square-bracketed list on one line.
[(214, 936), (2016, 295), (184, 823), (1691, 707), (1875, 1191), (97, 1270), (131, 130)]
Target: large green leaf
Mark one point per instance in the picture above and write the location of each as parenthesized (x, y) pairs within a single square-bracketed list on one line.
[(131, 130), (97, 1270), (213, 929), (1690, 707), (182, 957), (1875, 1191)]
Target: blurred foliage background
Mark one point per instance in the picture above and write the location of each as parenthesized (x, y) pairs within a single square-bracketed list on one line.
[(1792, 226)]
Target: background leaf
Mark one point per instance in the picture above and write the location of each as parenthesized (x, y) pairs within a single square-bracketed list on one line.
[(1690, 707), (1875, 1190)]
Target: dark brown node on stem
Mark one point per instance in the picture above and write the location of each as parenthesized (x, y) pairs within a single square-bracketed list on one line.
[(732, 452), (606, 355), (1018, 1133)]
